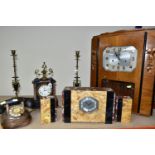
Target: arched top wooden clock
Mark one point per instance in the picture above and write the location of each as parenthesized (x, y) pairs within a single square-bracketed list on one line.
[(44, 86), (125, 61)]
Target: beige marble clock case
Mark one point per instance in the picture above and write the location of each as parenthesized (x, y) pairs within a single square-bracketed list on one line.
[(71, 102), (80, 116)]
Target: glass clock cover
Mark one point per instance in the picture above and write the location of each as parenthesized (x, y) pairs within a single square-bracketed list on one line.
[(88, 104), (120, 58), (45, 90)]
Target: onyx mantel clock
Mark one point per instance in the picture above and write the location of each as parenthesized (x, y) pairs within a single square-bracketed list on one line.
[(45, 86), (125, 61)]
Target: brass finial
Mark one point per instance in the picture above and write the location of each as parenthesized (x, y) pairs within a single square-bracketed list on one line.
[(45, 71)]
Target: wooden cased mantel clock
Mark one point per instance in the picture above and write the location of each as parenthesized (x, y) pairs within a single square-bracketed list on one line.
[(125, 61), (44, 86)]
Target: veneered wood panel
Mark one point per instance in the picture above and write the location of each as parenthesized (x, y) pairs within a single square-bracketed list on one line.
[(94, 62), (143, 40), (135, 39), (148, 76)]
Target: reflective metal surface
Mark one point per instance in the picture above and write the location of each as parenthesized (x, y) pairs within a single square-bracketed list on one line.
[(88, 104), (16, 110), (120, 58)]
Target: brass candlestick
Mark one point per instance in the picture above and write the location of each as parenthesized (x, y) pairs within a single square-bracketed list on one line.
[(77, 82), (15, 115), (15, 81)]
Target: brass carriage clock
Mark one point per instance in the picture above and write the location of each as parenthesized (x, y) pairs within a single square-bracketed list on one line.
[(45, 86)]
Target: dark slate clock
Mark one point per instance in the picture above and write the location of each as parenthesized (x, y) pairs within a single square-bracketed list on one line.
[(44, 86)]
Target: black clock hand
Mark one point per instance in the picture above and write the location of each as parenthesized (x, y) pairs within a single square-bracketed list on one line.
[(117, 55), (44, 89)]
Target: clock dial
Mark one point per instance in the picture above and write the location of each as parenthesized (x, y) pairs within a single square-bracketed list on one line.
[(88, 104), (16, 110), (122, 58), (45, 90)]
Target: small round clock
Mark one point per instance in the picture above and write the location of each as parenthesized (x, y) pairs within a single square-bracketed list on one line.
[(120, 58), (45, 90)]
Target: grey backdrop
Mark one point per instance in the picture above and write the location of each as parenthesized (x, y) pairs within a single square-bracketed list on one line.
[(55, 45)]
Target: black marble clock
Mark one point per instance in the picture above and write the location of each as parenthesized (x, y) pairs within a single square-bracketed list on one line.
[(45, 86)]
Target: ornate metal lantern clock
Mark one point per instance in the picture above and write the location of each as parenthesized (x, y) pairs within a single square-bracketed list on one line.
[(44, 86)]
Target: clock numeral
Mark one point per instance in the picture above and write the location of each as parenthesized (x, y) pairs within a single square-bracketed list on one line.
[(120, 58)]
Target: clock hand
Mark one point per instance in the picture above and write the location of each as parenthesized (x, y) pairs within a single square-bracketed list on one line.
[(44, 88), (117, 55)]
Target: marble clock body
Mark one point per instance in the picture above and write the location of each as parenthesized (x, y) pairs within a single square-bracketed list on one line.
[(125, 61), (85, 104), (43, 87)]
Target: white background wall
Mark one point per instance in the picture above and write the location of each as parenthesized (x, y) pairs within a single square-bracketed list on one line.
[(55, 45)]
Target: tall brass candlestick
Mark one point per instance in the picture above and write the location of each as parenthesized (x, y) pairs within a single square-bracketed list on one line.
[(77, 82), (15, 81)]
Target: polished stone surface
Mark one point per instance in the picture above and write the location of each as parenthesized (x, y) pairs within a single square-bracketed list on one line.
[(137, 121)]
